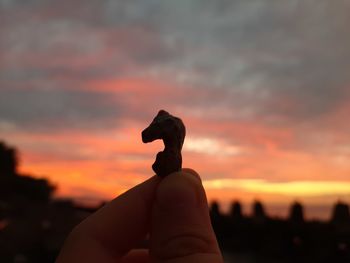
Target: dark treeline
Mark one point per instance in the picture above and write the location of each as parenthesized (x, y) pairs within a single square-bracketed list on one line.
[(293, 239), (33, 225), (14, 186)]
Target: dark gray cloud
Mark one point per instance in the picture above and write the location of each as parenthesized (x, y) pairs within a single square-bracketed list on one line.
[(287, 60), (51, 108), (295, 50), (280, 62)]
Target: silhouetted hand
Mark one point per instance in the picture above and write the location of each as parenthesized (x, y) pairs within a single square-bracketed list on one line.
[(173, 210)]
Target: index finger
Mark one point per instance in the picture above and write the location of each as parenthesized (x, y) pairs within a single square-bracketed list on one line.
[(114, 229)]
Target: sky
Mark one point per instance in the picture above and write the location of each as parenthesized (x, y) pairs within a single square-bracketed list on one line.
[(262, 86)]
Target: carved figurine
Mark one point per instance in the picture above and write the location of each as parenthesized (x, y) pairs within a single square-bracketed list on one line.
[(172, 131)]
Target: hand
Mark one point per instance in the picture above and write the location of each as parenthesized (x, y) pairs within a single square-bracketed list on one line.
[(172, 210)]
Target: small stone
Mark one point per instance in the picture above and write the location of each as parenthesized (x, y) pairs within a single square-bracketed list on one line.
[(172, 131)]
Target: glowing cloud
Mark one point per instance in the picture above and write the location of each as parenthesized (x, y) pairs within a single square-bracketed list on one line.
[(210, 146), (297, 188)]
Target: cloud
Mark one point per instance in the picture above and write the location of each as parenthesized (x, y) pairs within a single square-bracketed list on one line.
[(281, 62), (57, 109), (210, 146), (294, 188), (264, 85)]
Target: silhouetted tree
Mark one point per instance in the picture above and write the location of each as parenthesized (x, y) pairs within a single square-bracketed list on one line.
[(215, 209), (34, 189), (236, 211), (217, 220), (296, 213), (8, 160), (341, 213), (14, 185), (258, 211)]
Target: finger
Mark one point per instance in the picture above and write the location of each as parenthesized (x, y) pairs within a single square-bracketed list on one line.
[(137, 256), (113, 230), (181, 230), (192, 172)]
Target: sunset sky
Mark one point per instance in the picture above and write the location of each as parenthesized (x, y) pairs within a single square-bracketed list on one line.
[(262, 86)]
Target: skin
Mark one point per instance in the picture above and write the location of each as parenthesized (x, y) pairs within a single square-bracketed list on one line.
[(173, 211)]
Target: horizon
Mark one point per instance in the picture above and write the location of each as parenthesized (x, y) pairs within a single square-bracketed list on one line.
[(311, 212), (263, 90)]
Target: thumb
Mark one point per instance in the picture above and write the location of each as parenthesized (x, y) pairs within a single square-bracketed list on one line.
[(181, 230)]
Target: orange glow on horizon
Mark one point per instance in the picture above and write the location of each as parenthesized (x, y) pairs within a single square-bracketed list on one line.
[(237, 160)]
